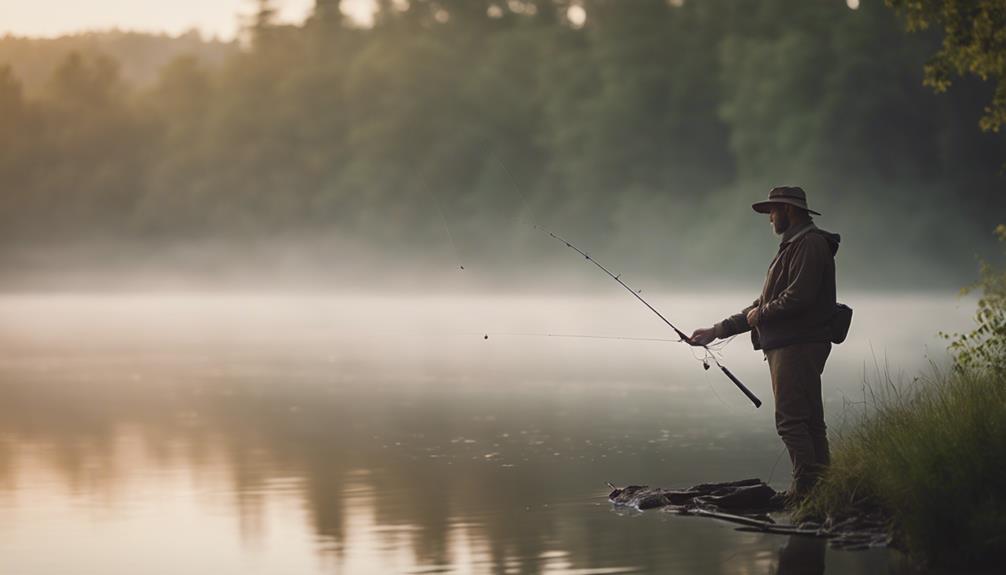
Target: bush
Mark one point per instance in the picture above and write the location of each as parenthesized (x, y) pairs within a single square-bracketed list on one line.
[(984, 348), (933, 456)]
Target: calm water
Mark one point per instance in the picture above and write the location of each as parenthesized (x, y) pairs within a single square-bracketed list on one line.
[(261, 434)]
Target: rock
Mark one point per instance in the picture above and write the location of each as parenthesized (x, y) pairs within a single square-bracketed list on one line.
[(652, 501), (749, 494), (757, 496), (748, 502)]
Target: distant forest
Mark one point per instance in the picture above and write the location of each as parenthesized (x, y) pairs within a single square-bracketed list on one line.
[(139, 57), (645, 129)]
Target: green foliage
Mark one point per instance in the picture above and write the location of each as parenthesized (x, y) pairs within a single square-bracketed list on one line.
[(983, 349), (650, 112), (931, 457), (974, 42)]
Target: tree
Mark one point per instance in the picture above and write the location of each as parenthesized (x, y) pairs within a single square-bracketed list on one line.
[(18, 143), (328, 11), (974, 42), (261, 22), (102, 143), (11, 99), (80, 84)]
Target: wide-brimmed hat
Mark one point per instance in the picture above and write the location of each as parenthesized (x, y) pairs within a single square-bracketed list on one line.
[(792, 195)]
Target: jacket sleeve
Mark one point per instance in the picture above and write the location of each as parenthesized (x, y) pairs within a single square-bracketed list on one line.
[(735, 324), (806, 274)]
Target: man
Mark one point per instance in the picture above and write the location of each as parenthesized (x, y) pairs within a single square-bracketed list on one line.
[(790, 322)]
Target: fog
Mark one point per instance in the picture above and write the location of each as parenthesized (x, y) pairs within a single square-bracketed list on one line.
[(453, 340)]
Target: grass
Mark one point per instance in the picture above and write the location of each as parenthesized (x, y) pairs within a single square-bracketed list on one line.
[(932, 456)]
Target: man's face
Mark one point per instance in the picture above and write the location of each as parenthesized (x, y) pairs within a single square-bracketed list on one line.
[(779, 217)]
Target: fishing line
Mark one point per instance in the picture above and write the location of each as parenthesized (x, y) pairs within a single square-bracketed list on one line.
[(587, 336), (777, 459), (450, 236), (443, 218), (715, 393), (525, 205), (615, 337)]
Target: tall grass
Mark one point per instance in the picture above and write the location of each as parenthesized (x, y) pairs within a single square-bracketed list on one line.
[(932, 456)]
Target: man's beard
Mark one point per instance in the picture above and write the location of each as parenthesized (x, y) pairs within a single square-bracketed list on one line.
[(780, 224)]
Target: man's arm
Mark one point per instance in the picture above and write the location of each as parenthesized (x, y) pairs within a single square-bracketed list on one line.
[(732, 325), (737, 323), (809, 259)]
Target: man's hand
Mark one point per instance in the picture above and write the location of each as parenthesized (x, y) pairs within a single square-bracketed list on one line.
[(753, 316), (703, 336)]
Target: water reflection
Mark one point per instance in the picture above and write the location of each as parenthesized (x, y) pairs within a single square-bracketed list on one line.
[(802, 556), (252, 455), (371, 499)]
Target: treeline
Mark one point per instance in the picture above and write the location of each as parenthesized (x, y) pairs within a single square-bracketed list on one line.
[(139, 56), (644, 128)]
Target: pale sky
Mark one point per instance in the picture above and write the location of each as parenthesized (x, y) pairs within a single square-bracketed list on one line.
[(211, 17)]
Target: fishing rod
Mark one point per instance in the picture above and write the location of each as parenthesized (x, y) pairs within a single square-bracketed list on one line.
[(683, 338), (636, 293)]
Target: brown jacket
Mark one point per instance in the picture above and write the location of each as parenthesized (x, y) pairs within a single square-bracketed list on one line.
[(798, 299)]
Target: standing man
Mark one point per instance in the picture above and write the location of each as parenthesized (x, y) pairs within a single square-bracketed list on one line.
[(790, 322)]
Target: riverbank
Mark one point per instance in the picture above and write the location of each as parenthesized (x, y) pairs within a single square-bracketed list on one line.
[(931, 457)]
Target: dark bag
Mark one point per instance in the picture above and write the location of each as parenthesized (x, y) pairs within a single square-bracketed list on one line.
[(840, 322)]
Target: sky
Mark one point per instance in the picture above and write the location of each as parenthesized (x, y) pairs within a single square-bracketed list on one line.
[(213, 18), (218, 18)]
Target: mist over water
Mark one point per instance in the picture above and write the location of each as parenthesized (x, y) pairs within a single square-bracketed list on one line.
[(361, 434)]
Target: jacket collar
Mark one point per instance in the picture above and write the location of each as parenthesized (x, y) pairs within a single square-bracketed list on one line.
[(794, 233)]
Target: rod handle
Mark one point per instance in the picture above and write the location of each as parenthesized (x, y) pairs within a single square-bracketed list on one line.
[(754, 399)]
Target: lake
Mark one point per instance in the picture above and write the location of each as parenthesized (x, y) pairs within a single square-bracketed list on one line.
[(314, 433)]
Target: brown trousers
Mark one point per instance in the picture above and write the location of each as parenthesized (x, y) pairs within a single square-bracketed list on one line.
[(799, 411)]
